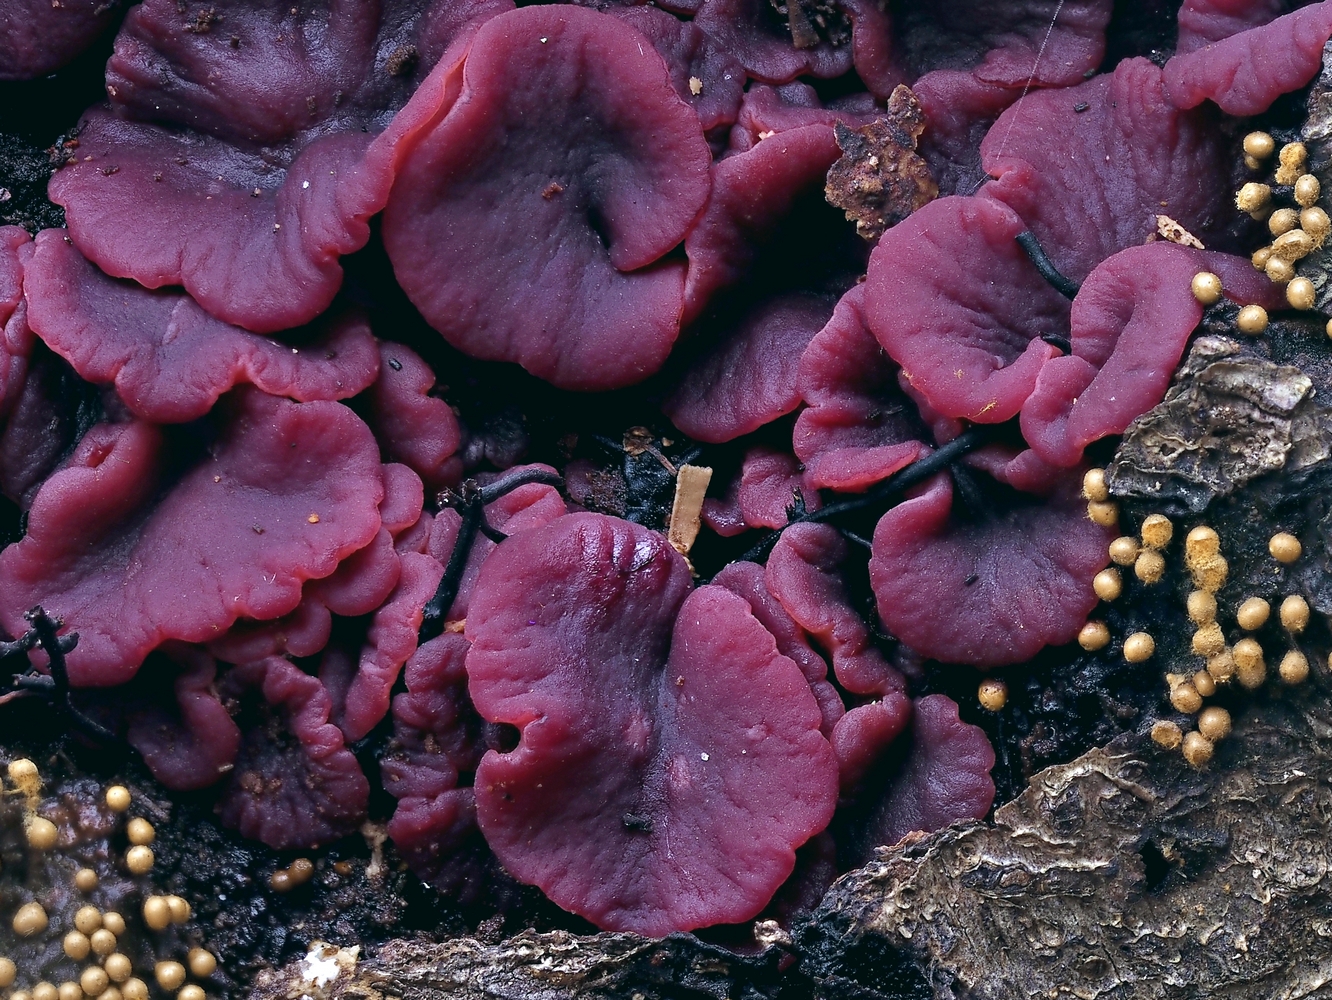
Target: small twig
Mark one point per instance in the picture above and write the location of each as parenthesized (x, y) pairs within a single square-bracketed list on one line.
[(1036, 253), (500, 487), (470, 501), (1055, 340), (45, 626), (917, 472)]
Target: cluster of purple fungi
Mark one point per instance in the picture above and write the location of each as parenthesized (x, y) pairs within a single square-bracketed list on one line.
[(587, 191)]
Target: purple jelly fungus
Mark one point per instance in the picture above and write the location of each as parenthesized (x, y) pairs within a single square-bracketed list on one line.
[(565, 125), (651, 716), (1015, 572), (131, 551), (233, 157), (168, 359)]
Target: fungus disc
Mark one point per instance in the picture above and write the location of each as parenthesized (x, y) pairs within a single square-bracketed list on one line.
[(529, 223), (670, 759)]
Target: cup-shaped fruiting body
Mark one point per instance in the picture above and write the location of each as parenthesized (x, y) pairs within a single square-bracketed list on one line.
[(1167, 734), (1292, 246), (1124, 550), (1157, 530), (1103, 512), (139, 860), (1139, 647), (1108, 584), (202, 963), (1185, 698), (1292, 158), (1295, 613), (1202, 607), (1094, 487), (1294, 667), (1284, 546), (1253, 614), (118, 798), (1279, 269), (1283, 220), (992, 694), (1206, 288), (1253, 197), (1197, 749), (1307, 190), (1252, 319), (1316, 223), (29, 919), (1202, 555), (170, 975), (1221, 666), (1250, 667), (1214, 723), (1150, 566), (1094, 636), (1259, 145), (1208, 640), (1300, 293)]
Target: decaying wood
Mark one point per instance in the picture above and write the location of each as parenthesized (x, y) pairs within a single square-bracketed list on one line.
[(1129, 874)]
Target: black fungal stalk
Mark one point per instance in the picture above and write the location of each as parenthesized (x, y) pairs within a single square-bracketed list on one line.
[(1036, 253), (54, 686), (917, 472), (470, 501)]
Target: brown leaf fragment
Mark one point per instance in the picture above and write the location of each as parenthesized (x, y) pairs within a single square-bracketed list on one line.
[(881, 179)]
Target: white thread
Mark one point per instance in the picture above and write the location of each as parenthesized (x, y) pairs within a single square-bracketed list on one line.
[(1030, 80)]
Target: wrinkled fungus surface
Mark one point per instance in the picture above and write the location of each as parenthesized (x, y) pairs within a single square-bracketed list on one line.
[(858, 426), (1016, 573), (670, 759), (530, 222), (232, 157), (136, 552), (1246, 71), (944, 776), (1130, 323), (295, 783), (169, 360), (747, 378), (955, 301), (38, 36)]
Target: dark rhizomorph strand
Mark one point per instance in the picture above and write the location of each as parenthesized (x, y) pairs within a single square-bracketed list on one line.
[(470, 501), (1036, 253), (54, 686), (917, 472)]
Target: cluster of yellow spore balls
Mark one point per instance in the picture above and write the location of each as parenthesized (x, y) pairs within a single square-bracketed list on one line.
[(109, 974), (1297, 230), (1244, 662)]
